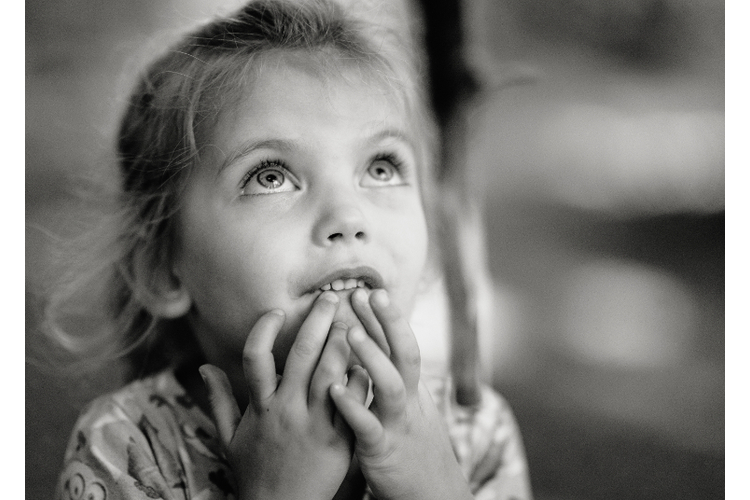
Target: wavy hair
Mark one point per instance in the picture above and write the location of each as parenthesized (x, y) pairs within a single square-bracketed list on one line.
[(166, 123)]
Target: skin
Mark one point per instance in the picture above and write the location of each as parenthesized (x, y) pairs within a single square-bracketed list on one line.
[(243, 253), (308, 180), (402, 443)]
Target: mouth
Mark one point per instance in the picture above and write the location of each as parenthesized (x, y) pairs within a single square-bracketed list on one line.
[(349, 279), (347, 284)]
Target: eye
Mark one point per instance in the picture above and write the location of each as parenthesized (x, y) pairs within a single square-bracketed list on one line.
[(76, 486), (385, 170), (271, 178), (267, 178), (96, 492)]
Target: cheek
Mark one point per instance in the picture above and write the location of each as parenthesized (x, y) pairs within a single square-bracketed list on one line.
[(409, 240), (415, 238), (227, 277)]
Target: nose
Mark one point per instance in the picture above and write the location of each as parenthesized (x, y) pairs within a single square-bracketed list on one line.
[(340, 220)]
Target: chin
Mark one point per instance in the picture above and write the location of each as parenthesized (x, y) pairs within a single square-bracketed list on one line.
[(346, 315)]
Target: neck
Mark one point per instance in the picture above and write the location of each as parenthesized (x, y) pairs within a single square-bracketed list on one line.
[(188, 376)]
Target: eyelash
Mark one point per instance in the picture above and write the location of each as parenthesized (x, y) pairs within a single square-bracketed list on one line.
[(394, 160), (390, 158), (260, 167), (398, 164)]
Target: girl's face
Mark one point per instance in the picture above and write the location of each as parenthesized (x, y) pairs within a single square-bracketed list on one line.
[(307, 184)]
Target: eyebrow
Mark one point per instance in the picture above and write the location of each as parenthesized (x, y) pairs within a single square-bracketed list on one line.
[(391, 133), (245, 149)]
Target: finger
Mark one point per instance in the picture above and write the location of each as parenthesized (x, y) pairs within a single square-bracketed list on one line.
[(366, 427), (308, 345), (404, 348), (361, 306), (331, 367), (224, 408), (388, 387), (358, 383), (341, 427), (257, 358)]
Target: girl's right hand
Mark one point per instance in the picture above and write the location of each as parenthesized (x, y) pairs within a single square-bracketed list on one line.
[(402, 444), (290, 442)]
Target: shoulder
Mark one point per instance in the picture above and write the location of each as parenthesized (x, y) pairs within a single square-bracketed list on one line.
[(116, 420), (492, 412), (130, 404), (112, 427), (154, 404), (486, 440), (147, 438)]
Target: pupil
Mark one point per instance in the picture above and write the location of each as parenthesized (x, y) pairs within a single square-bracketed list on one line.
[(271, 179), (382, 173)]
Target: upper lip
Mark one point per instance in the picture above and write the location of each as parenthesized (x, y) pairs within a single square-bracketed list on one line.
[(369, 275)]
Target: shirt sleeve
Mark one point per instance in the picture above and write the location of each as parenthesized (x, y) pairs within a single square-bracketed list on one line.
[(488, 445), (111, 455)]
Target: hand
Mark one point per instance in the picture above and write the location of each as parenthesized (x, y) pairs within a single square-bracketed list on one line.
[(289, 443), (401, 441)]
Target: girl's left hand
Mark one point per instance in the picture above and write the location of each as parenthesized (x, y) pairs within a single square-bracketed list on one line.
[(401, 442), (289, 443)]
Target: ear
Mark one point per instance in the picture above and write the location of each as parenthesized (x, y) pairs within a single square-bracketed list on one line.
[(158, 288)]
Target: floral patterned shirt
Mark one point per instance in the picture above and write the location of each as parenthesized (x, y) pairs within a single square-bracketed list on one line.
[(149, 440)]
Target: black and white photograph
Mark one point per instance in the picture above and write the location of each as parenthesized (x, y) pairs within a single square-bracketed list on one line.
[(376, 249)]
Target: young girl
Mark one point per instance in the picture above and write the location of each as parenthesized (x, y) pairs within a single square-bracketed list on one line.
[(272, 241)]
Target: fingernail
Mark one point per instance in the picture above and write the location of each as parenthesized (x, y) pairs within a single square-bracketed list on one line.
[(359, 295), (201, 371), (380, 297), (357, 334), (356, 368), (330, 297), (337, 388), (276, 312)]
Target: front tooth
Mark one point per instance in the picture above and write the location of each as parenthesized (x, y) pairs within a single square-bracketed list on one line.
[(361, 283), (325, 287), (337, 284), (350, 283)]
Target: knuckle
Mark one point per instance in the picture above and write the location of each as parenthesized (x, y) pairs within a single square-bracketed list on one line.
[(327, 371), (250, 356), (393, 392), (337, 338), (411, 357), (288, 422), (251, 352), (388, 316), (371, 435), (392, 313), (304, 347)]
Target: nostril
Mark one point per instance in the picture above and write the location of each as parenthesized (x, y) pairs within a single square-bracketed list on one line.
[(359, 235)]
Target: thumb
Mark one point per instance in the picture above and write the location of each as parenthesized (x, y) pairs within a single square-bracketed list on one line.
[(224, 409), (357, 385)]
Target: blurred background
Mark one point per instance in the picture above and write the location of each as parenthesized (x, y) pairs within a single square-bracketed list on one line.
[(601, 175)]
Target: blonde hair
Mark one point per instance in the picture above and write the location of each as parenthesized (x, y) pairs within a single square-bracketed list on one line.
[(165, 124)]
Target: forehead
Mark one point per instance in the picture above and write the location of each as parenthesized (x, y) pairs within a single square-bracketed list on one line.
[(332, 67), (286, 92)]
